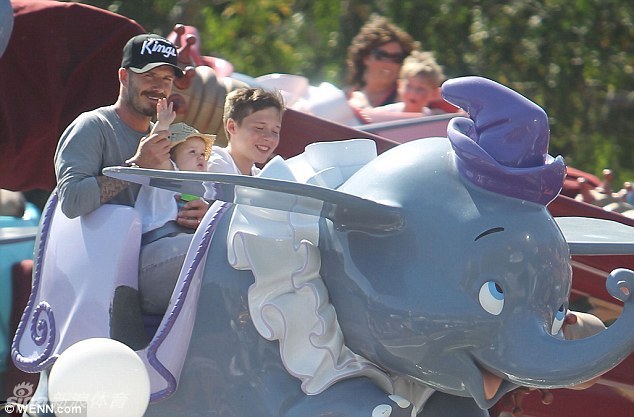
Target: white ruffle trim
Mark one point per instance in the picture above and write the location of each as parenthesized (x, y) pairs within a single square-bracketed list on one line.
[(289, 301)]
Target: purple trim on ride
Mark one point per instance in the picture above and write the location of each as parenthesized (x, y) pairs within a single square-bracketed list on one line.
[(164, 330), (41, 332)]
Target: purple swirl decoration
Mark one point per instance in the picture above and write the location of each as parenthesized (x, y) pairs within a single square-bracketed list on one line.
[(42, 331), (40, 327), (503, 146)]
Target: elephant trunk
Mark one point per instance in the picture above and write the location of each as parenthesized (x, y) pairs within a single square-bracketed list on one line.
[(545, 361)]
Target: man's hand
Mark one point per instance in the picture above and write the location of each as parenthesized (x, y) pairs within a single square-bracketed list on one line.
[(578, 325), (192, 213), (153, 151)]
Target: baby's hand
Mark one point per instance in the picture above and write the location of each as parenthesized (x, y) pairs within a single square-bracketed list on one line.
[(165, 115)]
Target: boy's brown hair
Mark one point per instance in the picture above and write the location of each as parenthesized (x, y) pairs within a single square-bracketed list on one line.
[(243, 102)]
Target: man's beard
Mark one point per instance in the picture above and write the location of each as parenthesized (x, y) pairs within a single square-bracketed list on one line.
[(138, 105), (136, 102)]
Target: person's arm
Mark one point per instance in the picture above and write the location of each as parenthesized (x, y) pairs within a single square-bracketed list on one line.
[(82, 153), (77, 166), (110, 187), (153, 153)]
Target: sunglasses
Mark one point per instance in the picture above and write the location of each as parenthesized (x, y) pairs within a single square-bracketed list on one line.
[(381, 55)]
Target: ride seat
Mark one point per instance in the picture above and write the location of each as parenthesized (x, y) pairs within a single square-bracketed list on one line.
[(80, 264), (85, 285)]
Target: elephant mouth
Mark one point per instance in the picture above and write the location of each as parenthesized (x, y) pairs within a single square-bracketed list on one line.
[(491, 384)]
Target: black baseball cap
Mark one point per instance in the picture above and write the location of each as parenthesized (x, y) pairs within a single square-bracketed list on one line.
[(147, 51)]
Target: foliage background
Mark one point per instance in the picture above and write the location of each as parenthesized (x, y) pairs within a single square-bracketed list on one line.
[(575, 58)]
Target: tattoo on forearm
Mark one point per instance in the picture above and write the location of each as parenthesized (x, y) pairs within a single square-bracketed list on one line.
[(110, 187)]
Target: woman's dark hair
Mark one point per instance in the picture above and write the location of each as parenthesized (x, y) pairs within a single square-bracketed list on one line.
[(377, 31)]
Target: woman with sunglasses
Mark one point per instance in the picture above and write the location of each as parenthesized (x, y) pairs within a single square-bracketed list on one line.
[(374, 61)]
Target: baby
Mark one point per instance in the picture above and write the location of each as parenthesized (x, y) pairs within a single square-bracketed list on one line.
[(159, 208)]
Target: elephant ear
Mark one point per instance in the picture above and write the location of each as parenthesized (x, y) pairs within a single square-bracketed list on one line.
[(344, 210), (590, 236)]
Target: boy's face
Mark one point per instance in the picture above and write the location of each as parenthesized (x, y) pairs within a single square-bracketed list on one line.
[(190, 155), (255, 139), (417, 93)]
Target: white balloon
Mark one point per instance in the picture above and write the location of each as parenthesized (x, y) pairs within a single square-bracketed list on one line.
[(106, 376)]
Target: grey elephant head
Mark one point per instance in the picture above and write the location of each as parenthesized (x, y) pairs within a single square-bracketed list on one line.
[(446, 299), (471, 294), (440, 257)]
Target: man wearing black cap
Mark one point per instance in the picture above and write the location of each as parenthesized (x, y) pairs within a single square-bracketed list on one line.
[(145, 52), (120, 134)]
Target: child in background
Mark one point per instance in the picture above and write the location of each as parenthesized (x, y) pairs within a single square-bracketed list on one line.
[(418, 85), (252, 119), (419, 92)]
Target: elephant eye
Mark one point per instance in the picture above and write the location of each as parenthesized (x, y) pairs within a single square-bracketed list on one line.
[(560, 315), (491, 297)]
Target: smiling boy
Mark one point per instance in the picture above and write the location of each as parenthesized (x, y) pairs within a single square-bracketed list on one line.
[(253, 120)]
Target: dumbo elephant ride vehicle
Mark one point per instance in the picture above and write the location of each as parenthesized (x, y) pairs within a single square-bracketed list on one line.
[(428, 280)]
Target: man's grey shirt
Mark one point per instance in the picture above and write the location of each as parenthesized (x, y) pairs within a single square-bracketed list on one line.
[(93, 141)]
